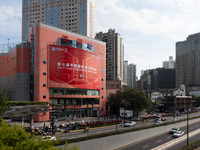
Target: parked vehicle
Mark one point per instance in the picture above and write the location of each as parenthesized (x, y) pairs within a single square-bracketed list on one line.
[(178, 133), (173, 130), (130, 124)]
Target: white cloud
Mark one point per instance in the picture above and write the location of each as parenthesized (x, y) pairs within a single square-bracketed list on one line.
[(150, 28), (10, 19)]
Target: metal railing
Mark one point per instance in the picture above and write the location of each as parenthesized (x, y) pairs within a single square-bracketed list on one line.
[(6, 48)]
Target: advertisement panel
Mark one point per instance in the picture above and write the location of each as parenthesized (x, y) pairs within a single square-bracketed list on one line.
[(70, 67)]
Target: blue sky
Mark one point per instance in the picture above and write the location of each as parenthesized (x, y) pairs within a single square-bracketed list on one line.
[(150, 28)]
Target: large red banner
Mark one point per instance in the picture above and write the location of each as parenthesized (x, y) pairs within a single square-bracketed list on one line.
[(73, 68)]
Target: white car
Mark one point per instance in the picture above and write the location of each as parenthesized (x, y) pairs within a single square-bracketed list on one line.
[(50, 138), (157, 122), (130, 124), (178, 133)]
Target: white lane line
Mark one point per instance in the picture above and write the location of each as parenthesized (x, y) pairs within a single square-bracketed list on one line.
[(145, 146), (168, 137), (158, 141), (176, 141)]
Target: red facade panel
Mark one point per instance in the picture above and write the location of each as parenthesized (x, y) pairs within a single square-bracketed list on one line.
[(45, 35)]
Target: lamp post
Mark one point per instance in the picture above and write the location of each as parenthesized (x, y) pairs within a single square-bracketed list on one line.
[(187, 128)]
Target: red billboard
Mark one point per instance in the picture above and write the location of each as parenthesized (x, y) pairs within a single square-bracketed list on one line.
[(71, 67)]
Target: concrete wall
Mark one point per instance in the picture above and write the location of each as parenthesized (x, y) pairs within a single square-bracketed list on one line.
[(112, 142)]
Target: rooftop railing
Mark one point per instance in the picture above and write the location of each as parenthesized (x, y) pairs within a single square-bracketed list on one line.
[(6, 48)]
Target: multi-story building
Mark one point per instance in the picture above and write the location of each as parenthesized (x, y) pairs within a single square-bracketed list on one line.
[(129, 74), (114, 54), (159, 78), (60, 67), (125, 69), (73, 15), (178, 103), (169, 64), (188, 63)]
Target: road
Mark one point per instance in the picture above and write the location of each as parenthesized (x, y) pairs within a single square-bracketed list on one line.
[(80, 133), (166, 140)]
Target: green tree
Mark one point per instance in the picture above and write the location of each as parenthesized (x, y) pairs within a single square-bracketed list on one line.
[(15, 138), (197, 100), (3, 102), (115, 101), (132, 99)]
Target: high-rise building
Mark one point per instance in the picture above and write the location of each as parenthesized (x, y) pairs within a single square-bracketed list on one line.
[(73, 15), (129, 74), (114, 54), (125, 76), (159, 78), (169, 64), (188, 63)]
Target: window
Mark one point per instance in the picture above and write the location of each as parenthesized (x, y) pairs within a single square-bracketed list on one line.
[(44, 97), (44, 85), (44, 62), (44, 73)]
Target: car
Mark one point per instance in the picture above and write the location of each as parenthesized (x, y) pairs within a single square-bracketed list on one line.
[(130, 124), (178, 133), (173, 130), (50, 138), (157, 122)]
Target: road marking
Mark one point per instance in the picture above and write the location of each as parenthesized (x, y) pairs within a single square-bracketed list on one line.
[(176, 141), (191, 128), (145, 146), (168, 137), (197, 126), (158, 141)]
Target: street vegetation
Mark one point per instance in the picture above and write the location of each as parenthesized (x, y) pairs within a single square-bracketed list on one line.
[(14, 137), (130, 99)]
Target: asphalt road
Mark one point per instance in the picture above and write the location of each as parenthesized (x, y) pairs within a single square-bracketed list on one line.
[(80, 133), (166, 138)]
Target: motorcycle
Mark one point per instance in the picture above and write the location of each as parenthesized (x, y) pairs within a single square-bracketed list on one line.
[(86, 129)]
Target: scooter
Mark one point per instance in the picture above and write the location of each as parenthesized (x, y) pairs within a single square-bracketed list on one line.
[(86, 129)]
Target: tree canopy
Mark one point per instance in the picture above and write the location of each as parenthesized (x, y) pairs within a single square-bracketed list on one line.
[(132, 99), (16, 138)]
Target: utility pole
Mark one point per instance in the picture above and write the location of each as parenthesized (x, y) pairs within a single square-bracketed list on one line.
[(187, 128)]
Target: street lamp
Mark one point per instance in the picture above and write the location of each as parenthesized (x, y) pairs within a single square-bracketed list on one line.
[(187, 128)]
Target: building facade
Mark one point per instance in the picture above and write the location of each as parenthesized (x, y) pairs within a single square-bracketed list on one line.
[(187, 63), (114, 54), (125, 69), (67, 70), (73, 15), (169, 64), (159, 78), (129, 74)]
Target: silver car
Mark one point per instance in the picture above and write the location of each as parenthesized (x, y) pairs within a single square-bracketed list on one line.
[(130, 124)]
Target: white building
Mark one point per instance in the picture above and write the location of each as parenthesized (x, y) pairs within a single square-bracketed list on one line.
[(180, 91), (169, 64), (156, 95)]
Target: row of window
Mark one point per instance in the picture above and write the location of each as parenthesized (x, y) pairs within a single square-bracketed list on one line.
[(45, 5)]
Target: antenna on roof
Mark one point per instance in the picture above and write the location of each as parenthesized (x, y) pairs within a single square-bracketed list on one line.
[(8, 44)]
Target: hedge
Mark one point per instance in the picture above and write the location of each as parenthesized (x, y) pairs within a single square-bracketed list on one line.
[(23, 103)]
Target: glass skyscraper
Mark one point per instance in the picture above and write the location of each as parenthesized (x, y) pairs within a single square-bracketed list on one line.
[(73, 15)]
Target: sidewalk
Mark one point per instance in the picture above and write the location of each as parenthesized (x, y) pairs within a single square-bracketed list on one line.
[(47, 123)]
